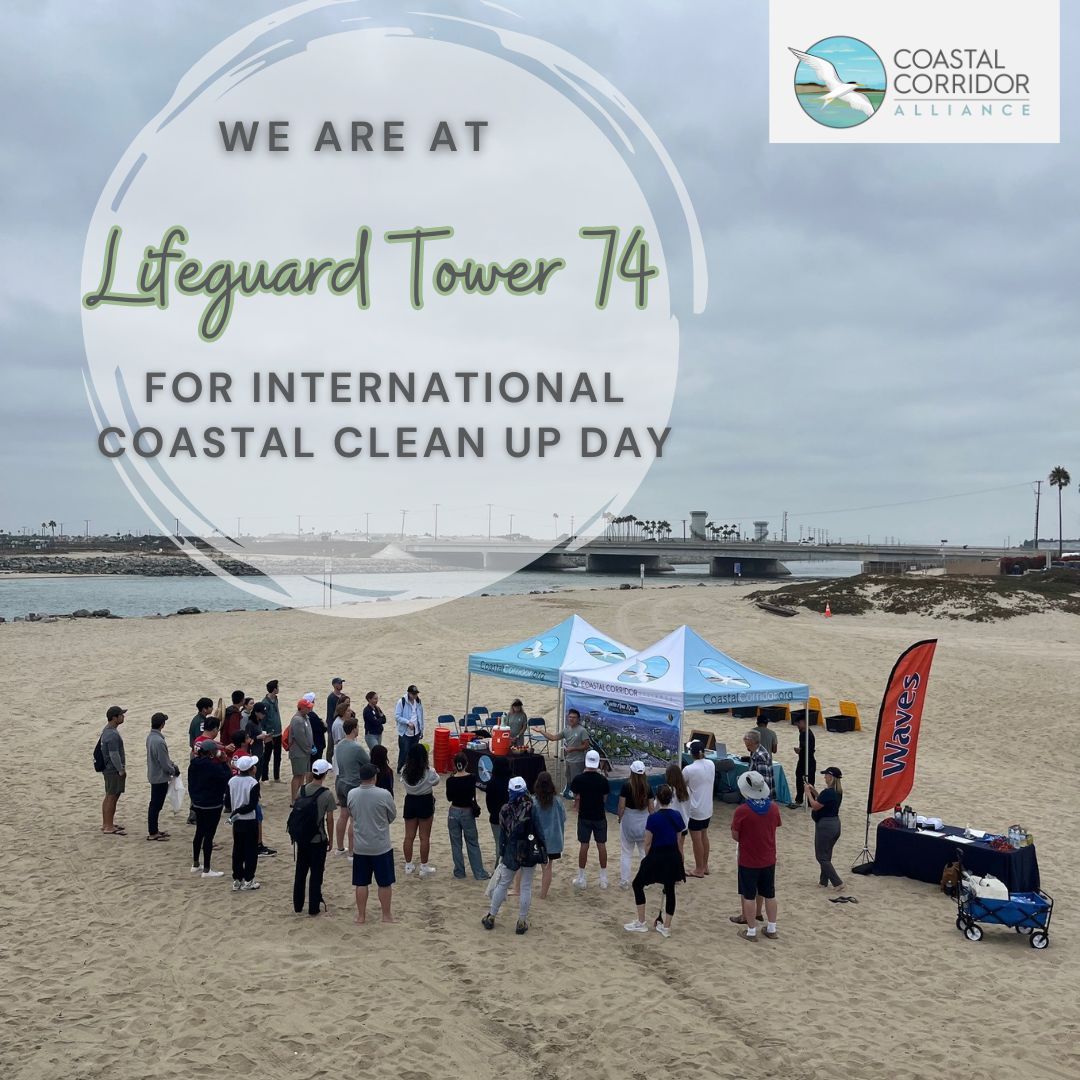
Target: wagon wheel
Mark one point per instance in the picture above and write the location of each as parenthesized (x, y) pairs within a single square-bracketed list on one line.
[(1039, 939), (961, 922), (973, 932), (1023, 929)]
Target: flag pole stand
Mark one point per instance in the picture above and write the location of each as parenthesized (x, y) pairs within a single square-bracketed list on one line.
[(864, 864)]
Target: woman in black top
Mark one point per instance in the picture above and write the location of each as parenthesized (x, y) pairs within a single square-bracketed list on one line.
[(826, 814), (461, 822), (380, 758), (374, 720)]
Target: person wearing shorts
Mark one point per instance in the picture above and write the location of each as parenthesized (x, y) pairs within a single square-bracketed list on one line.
[(753, 828), (350, 757), (372, 809), (418, 810), (590, 790), (700, 777)]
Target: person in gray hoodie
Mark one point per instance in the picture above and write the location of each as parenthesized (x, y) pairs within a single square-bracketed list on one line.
[(301, 744), (160, 769)]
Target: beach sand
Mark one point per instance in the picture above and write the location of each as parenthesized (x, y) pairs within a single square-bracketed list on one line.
[(117, 963)]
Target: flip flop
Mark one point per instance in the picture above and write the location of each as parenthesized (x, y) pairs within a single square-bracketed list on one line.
[(838, 899), (113, 832), (159, 836), (850, 899)]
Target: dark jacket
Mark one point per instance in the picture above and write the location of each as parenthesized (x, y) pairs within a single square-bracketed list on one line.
[(207, 782)]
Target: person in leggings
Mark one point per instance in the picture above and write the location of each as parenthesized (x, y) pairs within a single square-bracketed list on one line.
[(825, 810), (244, 801), (208, 781), (662, 865)]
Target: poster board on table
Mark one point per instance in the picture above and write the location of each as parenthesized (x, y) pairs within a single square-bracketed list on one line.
[(626, 731)]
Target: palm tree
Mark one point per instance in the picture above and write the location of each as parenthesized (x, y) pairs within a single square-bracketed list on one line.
[(1059, 478), (52, 528)]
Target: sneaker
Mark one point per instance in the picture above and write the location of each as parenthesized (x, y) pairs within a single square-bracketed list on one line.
[(603, 879), (236, 884), (746, 936), (426, 870), (488, 921), (249, 886), (624, 884), (196, 869), (522, 927), (771, 935), (579, 881), (662, 930), (410, 868), (266, 852), (636, 927), (213, 873)]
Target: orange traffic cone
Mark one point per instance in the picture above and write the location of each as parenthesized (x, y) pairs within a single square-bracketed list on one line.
[(828, 610)]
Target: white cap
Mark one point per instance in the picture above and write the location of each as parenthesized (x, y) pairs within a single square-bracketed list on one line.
[(321, 768), (637, 766), (592, 760), (517, 783), (309, 696), (246, 762)]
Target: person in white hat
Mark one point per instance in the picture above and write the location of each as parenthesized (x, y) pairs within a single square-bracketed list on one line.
[(590, 790), (311, 827), (243, 802), (521, 847), (635, 805), (753, 828)]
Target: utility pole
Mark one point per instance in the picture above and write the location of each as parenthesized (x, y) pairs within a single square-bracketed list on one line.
[(367, 525), (684, 528), (436, 534), (511, 536), (298, 533), (403, 513), (1038, 494), (783, 529), (237, 528), (87, 520), (490, 507), (571, 526)]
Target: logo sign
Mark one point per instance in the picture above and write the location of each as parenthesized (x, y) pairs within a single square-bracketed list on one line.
[(602, 650), (713, 670), (540, 647), (969, 71), (645, 671)]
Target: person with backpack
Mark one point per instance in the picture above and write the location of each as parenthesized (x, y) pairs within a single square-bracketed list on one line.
[(207, 780), (109, 760), (522, 848), (409, 716), (160, 770), (243, 798), (310, 826)]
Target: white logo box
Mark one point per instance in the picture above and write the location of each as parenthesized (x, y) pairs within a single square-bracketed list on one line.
[(1023, 37)]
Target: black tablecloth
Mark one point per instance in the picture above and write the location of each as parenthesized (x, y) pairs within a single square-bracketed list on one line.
[(923, 856), (530, 766)]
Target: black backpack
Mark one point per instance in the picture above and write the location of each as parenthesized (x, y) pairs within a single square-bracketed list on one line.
[(303, 823), (527, 844), (99, 757)]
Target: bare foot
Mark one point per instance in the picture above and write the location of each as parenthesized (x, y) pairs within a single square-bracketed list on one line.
[(706, 870), (695, 873), (388, 918), (359, 921)]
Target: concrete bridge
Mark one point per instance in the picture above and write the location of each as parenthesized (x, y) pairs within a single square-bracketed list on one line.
[(757, 559)]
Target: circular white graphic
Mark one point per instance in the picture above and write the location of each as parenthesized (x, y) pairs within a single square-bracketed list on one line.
[(312, 378)]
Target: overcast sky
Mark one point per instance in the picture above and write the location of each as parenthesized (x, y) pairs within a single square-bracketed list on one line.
[(942, 365)]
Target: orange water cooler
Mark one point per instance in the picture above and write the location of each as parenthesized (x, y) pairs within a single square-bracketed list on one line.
[(500, 741)]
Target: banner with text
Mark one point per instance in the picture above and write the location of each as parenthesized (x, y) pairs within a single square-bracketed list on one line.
[(625, 731), (897, 738)]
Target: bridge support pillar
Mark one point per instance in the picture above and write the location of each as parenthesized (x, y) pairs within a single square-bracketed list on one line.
[(600, 563), (724, 566)]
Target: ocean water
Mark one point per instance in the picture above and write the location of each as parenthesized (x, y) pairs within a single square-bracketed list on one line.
[(132, 596)]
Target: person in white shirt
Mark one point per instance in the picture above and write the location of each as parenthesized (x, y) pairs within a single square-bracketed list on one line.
[(700, 776), (409, 715)]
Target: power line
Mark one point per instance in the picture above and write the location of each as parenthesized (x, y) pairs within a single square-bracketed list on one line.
[(907, 502)]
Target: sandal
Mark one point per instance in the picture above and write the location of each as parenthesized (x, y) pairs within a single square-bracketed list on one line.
[(158, 836), (113, 832)]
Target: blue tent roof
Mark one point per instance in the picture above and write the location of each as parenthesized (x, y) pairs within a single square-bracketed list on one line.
[(572, 644), (683, 671)]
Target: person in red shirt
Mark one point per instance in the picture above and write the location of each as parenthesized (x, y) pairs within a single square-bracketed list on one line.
[(753, 828)]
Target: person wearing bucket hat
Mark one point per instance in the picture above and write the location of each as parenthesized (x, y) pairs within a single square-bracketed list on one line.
[(825, 810), (753, 828)]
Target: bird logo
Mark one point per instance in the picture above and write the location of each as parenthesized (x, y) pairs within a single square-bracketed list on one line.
[(602, 650), (710, 669), (840, 82), (539, 647), (645, 671)]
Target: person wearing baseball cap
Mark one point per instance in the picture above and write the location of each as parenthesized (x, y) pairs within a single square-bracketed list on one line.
[(521, 847), (825, 810), (160, 771), (409, 715), (311, 854), (113, 769), (590, 790), (301, 746)]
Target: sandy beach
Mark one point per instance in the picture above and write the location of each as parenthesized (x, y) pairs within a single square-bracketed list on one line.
[(117, 963)]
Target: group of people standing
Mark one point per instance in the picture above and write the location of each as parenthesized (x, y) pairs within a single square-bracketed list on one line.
[(342, 802)]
